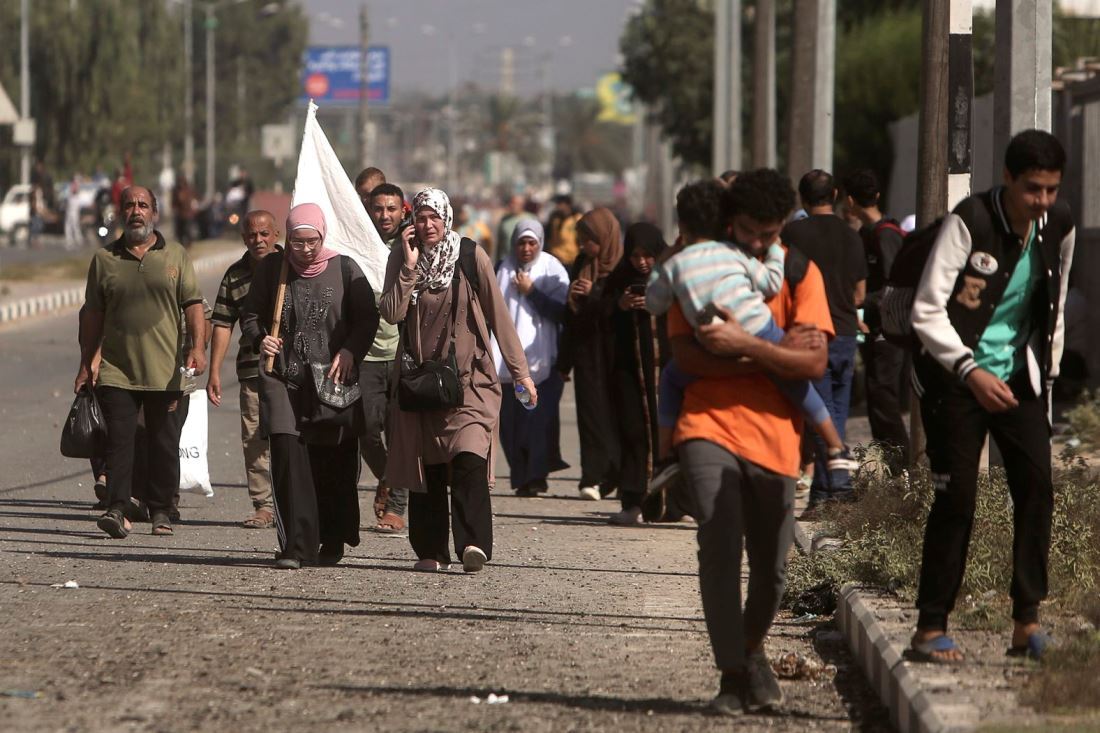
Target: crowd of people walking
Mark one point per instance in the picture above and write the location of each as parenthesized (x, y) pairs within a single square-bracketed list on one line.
[(695, 364)]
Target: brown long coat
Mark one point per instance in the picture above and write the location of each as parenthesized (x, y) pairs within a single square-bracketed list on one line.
[(429, 438)]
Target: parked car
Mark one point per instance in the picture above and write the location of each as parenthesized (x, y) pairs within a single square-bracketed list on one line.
[(15, 213)]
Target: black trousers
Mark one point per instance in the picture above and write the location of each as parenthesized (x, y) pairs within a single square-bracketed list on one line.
[(471, 511), (165, 413), (627, 400), (884, 364), (956, 426), (598, 429), (314, 488), (374, 380)]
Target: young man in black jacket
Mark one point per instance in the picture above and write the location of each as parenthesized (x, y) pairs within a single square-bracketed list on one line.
[(883, 362), (988, 314)]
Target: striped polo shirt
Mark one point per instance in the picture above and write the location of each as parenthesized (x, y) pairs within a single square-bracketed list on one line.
[(227, 311)]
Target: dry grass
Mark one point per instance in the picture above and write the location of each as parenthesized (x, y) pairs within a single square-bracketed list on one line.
[(883, 533)]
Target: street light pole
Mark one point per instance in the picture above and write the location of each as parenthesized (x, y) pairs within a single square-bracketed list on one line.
[(25, 85), (364, 101), (188, 94), (211, 24)]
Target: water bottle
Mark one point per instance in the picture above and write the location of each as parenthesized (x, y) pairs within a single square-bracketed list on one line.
[(188, 382), (524, 397)]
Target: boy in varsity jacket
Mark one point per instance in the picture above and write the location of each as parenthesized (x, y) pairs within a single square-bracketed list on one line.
[(988, 314)]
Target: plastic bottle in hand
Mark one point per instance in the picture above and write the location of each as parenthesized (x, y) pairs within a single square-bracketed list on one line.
[(524, 397)]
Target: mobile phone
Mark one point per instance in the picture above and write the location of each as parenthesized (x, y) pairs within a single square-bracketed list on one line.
[(709, 314), (638, 289)]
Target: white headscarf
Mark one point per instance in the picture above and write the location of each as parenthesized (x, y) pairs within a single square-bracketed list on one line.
[(537, 334), (436, 266)]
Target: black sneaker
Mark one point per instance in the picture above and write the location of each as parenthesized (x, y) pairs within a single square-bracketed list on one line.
[(762, 687), (731, 695), (330, 554)]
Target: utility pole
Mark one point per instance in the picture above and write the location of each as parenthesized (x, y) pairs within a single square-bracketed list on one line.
[(364, 98), (763, 93), (810, 143), (211, 25), (188, 94), (507, 72), (726, 146), (25, 85), (944, 140), (1022, 73)]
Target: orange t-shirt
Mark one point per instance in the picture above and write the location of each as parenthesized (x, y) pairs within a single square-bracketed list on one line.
[(748, 415)]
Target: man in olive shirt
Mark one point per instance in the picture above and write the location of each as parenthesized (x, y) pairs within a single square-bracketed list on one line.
[(260, 235), (386, 210), (135, 292)]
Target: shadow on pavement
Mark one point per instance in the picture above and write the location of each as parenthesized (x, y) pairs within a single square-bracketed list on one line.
[(45, 482), (395, 607), (662, 706)]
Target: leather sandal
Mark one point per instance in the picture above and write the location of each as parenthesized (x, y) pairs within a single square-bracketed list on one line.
[(262, 519), (381, 497), (389, 523)]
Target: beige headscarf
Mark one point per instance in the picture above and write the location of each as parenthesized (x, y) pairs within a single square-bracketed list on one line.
[(604, 228)]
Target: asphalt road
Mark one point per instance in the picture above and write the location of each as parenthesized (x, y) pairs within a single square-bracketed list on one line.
[(583, 626)]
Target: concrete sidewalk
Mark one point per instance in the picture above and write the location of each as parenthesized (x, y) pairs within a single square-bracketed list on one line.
[(21, 299)]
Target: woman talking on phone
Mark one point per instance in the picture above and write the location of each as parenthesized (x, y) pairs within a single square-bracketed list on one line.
[(443, 291)]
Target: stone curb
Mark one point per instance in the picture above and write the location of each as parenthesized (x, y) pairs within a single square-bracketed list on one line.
[(72, 297), (911, 710)]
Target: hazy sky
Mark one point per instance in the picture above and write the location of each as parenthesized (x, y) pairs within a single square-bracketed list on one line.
[(581, 38)]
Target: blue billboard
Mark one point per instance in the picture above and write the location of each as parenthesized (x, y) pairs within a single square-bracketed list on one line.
[(330, 75)]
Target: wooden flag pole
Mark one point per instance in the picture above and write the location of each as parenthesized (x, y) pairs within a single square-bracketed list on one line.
[(277, 318)]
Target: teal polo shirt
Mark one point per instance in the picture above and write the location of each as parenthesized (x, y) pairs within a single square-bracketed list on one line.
[(1000, 350)]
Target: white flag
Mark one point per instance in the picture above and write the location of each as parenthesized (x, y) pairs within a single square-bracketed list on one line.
[(321, 180)]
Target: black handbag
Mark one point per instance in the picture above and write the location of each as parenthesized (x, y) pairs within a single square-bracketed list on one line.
[(431, 385), (85, 429)]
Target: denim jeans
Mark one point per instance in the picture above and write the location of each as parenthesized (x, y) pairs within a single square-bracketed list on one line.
[(835, 388)]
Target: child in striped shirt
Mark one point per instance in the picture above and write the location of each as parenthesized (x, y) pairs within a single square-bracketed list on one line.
[(710, 273)]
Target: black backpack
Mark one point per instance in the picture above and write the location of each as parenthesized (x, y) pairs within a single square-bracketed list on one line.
[(896, 304), (467, 262)]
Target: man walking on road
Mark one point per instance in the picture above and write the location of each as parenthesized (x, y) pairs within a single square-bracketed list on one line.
[(386, 210), (988, 312), (260, 235), (738, 440), (135, 292), (838, 253), (883, 362)]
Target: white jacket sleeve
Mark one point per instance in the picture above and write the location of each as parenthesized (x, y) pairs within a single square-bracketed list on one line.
[(1058, 342), (930, 322)]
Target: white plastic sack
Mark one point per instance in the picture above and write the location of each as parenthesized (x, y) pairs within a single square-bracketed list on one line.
[(194, 468), (322, 180)]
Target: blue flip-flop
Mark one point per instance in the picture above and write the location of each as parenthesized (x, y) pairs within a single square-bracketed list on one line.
[(924, 651), (1037, 644)]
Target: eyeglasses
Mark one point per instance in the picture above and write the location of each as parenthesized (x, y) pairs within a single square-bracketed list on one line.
[(312, 243)]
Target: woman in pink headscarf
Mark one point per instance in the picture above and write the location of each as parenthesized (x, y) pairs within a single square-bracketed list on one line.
[(329, 318)]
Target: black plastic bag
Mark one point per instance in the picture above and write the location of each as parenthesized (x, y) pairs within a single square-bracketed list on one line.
[(85, 430)]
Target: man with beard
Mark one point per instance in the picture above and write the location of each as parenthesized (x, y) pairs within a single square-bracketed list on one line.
[(260, 235), (387, 210), (136, 289)]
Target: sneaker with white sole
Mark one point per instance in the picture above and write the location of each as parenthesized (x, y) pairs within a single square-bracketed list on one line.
[(430, 566), (591, 493), (842, 460), (473, 559)]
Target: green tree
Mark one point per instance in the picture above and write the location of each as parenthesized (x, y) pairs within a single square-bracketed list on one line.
[(107, 79), (668, 59), (584, 144)]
